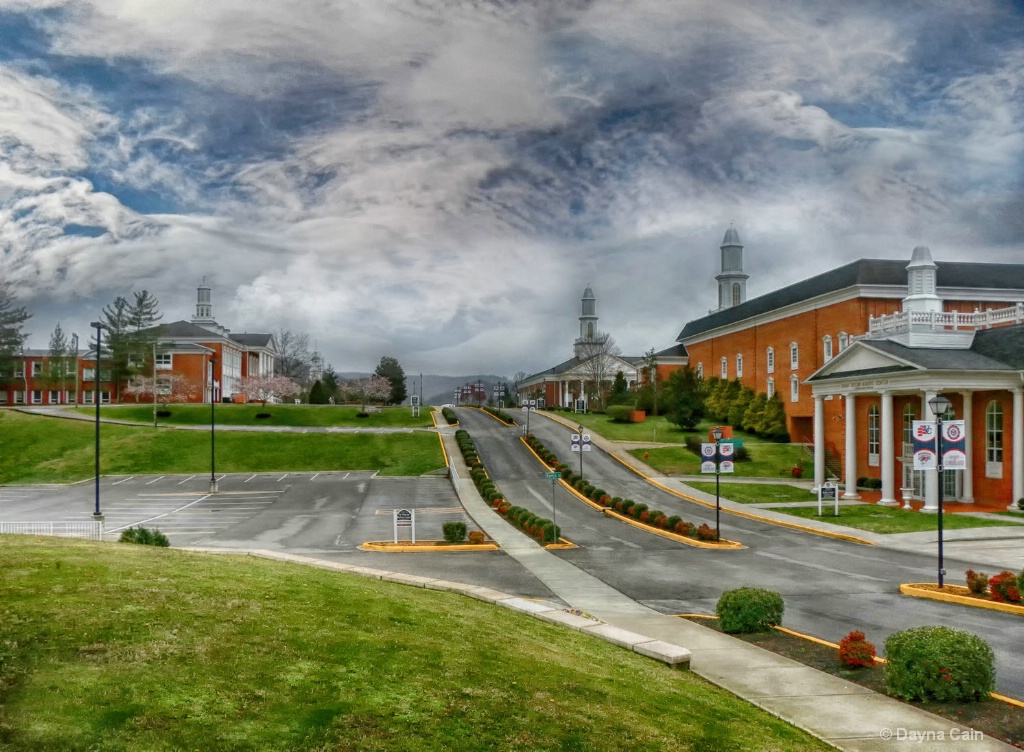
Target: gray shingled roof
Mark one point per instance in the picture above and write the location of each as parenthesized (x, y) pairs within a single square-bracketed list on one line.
[(252, 340), (184, 329), (676, 351), (950, 274)]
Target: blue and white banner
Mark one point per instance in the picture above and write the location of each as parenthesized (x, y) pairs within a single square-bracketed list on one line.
[(723, 458), (923, 437), (954, 445)]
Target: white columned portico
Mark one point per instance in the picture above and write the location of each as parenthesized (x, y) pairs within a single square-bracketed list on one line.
[(888, 452), (819, 442), (931, 478), (850, 460), (1018, 447), (967, 495)]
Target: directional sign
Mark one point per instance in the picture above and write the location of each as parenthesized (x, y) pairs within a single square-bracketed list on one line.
[(554, 476)]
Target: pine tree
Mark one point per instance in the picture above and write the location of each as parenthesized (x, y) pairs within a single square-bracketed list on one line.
[(116, 346), (318, 394), (774, 423), (60, 360), (753, 416), (143, 315), (684, 398), (739, 406), (391, 370), (12, 318)]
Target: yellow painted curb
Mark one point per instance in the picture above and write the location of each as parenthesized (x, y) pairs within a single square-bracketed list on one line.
[(536, 456), (427, 547), (748, 515), (444, 452), (914, 590), (562, 544), (473, 407), (721, 545)]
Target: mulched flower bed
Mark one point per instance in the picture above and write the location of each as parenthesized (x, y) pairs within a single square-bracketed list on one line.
[(994, 718)]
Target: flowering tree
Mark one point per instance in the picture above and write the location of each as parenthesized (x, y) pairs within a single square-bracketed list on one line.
[(266, 388), (170, 388), (370, 389)]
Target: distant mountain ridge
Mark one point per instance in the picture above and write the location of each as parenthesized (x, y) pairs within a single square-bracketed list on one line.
[(439, 390)]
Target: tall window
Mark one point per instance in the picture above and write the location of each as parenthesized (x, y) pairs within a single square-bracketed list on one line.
[(770, 359), (794, 356), (874, 435), (19, 397), (794, 389), (909, 416), (3, 397), (827, 347), (700, 370), (37, 396), (739, 365), (844, 341), (994, 434), (37, 368), (736, 293), (725, 368), (771, 388)]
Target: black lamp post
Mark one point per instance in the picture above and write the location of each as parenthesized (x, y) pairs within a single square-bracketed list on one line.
[(717, 433), (99, 327), (579, 430), (939, 406), (213, 433)]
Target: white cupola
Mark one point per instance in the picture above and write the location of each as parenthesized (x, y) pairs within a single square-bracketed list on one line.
[(732, 282)]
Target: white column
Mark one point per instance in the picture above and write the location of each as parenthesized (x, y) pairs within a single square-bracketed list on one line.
[(851, 448), (967, 496), (931, 477), (888, 452), (819, 442), (1018, 447)]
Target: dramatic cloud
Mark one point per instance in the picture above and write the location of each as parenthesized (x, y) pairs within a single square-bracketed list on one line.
[(438, 180)]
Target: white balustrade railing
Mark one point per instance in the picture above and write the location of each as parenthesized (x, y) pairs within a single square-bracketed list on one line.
[(947, 320)]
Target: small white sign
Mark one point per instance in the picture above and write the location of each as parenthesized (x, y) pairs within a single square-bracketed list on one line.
[(405, 518)]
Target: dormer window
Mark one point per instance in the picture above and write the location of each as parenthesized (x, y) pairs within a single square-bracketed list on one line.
[(844, 341), (826, 342)]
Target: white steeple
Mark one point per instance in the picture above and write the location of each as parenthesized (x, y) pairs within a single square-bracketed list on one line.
[(589, 334), (732, 282), (204, 305), (922, 289)]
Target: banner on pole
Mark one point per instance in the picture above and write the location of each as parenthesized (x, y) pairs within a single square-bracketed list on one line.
[(923, 437), (954, 445), (707, 458)]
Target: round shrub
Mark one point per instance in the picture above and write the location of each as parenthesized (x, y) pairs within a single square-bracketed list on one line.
[(163, 413), (1003, 587), (855, 651), (476, 537), (672, 521), (977, 582), (637, 510), (938, 663), (748, 609), (627, 505), (454, 532)]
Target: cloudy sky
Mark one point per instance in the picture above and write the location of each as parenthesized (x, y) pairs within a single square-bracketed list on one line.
[(438, 180)]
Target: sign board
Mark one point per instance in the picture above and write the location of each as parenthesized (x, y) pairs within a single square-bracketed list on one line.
[(585, 442), (954, 445), (404, 518), (708, 455), (574, 442), (923, 438), (716, 458), (828, 492), (554, 476)]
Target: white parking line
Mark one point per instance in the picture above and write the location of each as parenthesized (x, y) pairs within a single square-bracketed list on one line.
[(345, 476), (117, 482), (249, 478), (314, 476), (159, 516), (282, 477), (155, 480), (187, 479)]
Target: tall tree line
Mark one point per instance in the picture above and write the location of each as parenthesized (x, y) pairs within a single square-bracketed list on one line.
[(128, 340), (12, 338)]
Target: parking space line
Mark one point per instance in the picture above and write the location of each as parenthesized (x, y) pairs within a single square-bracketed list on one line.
[(282, 477), (316, 474), (159, 516), (118, 482), (345, 476), (155, 480), (249, 478), (187, 479)]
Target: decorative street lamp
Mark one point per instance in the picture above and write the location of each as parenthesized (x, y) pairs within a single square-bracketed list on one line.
[(74, 349), (99, 327), (579, 430), (717, 434), (939, 405), (213, 401)]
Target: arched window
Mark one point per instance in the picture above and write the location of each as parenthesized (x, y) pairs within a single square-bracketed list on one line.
[(794, 389), (874, 435), (771, 388), (794, 356), (909, 416), (736, 294), (994, 440), (826, 344), (700, 370), (739, 365), (725, 368), (844, 341), (770, 359), (590, 330)]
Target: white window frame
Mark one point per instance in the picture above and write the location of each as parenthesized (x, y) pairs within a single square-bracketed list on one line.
[(87, 397), (37, 367), (771, 388), (53, 397), (3, 396), (88, 374), (164, 361), (994, 439), (874, 435), (19, 397), (844, 341), (739, 365), (37, 396), (826, 347), (105, 397), (794, 356), (700, 370), (770, 359), (725, 369), (794, 389), (19, 369)]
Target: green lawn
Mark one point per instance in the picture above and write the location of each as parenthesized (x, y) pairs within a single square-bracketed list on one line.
[(767, 460), (755, 493), (39, 449), (654, 430), (876, 519), (280, 415), (111, 646)]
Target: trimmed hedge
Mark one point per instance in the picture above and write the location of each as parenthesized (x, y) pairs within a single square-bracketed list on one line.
[(748, 609), (938, 663)]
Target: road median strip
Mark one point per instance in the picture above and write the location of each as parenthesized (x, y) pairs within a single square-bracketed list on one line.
[(960, 596)]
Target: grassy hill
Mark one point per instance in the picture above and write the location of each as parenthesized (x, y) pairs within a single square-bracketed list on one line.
[(274, 415), (37, 449), (120, 647)]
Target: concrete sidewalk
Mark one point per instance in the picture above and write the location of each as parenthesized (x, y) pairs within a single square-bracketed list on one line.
[(845, 715)]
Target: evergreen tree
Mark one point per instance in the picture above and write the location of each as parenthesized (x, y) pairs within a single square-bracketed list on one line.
[(774, 423), (143, 315), (61, 362), (739, 406), (684, 398), (712, 396), (318, 394), (116, 346), (752, 418), (620, 391), (390, 369), (12, 318)]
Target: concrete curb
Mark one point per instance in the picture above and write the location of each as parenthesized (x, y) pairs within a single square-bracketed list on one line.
[(916, 591), (667, 653), (431, 547)]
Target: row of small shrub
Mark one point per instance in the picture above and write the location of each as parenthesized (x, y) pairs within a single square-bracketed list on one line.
[(542, 451), (872, 484), (450, 416), (742, 454), (622, 413), (1005, 587), (639, 512), (938, 664), (455, 532), (501, 415), (540, 528)]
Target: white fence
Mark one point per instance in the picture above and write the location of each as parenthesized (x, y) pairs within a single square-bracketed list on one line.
[(88, 530), (954, 320)]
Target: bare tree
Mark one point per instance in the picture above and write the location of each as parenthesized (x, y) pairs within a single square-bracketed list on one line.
[(597, 363), (293, 355)]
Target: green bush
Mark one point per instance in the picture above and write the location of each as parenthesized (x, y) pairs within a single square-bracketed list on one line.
[(637, 510), (748, 609), (620, 413), (144, 536), (671, 524), (454, 532), (938, 663)]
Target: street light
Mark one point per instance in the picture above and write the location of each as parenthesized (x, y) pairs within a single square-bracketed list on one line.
[(24, 374), (213, 401), (99, 327), (717, 434), (939, 406), (579, 430), (74, 348)]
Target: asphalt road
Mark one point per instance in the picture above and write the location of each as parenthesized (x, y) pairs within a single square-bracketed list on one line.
[(830, 587)]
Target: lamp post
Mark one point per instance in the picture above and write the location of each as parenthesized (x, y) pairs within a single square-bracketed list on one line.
[(213, 401), (74, 349), (717, 434), (579, 430), (99, 327), (24, 373), (939, 406)]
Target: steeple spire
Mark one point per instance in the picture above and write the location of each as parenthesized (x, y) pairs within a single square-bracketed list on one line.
[(204, 304), (732, 282)]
